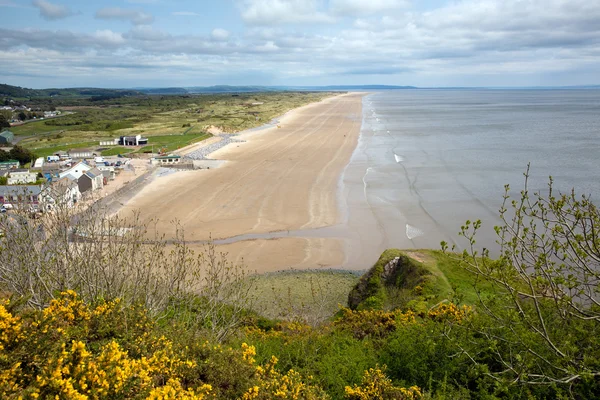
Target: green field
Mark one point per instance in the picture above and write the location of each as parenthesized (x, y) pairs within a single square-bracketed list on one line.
[(304, 295), (168, 121), (173, 142)]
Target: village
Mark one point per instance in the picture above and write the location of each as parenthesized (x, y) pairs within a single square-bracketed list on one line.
[(75, 176)]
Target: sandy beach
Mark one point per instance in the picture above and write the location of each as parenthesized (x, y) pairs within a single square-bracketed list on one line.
[(278, 179)]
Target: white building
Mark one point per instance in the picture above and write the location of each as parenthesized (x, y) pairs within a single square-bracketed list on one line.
[(21, 177), (80, 153), (64, 191), (76, 170)]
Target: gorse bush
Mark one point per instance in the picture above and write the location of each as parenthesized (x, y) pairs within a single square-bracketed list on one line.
[(105, 258), (112, 351)]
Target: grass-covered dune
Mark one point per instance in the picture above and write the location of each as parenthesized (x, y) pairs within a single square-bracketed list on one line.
[(168, 121)]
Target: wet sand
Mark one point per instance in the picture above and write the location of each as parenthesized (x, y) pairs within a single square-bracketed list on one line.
[(277, 180)]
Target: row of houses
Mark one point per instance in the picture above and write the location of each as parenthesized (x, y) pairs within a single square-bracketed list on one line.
[(41, 197), (18, 176), (71, 183)]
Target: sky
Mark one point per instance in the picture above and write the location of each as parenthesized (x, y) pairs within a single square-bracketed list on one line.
[(426, 43)]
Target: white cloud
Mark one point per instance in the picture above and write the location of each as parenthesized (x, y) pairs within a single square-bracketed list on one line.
[(136, 17), (276, 12), (107, 36), (476, 37), (365, 7), (219, 34), (51, 11)]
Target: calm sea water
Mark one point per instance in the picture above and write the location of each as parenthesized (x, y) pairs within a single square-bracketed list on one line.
[(430, 159)]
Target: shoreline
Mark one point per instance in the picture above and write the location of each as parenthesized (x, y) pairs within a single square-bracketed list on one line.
[(247, 218)]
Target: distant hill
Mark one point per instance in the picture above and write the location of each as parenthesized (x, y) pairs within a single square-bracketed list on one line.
[(19, 92), (250, 89)]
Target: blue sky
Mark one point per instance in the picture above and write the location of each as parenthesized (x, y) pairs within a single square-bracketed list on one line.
[(132, 43)]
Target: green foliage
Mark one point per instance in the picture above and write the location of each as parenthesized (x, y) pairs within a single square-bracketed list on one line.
[(4, 122), (398, 280), (3, 180), (21, 154), (540, 327)]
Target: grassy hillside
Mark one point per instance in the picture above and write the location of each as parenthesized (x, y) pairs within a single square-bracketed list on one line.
[(17, 92), (170, 121)]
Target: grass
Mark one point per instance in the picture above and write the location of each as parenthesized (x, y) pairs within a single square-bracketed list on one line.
[(168, 121), (172, 142), (114, 151), (48, 151), (420, 281), (302, 294)]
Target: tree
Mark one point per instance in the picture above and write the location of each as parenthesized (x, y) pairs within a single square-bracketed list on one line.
[(4, 122), (4, 156), (543, 327), (21, 154), (22, 116), (3, 180)]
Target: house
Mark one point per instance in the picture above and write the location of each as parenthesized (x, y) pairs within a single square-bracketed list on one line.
[(10, 164), (21, 195), (51, 171), (137, 140), (91, 180), (21, 176), (109, 169), (63, 191), (166, 160), (76, 170), (6, 137), (80, 153)]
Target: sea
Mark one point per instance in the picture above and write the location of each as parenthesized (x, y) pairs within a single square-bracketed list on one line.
[(429, 160)]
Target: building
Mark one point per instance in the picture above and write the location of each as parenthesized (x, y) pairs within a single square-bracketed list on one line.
[(91, 180), (166, 160), (39, 163), (107, 171), (21, 195), (21, 176), (51, 171), (10, 164), (62, 155), (63, 191), (80, 153), (137, 140), (76, 170), (6, 137)]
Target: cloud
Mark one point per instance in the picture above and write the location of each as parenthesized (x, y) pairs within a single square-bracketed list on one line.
[(185, 14), (136, 17), (277, 12), (219, 34), (362, 7), (52, 11), (106, 36), (463, 38), (147, 34)]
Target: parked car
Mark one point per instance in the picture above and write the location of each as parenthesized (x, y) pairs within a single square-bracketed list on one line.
[(8, 206), (2, 209)]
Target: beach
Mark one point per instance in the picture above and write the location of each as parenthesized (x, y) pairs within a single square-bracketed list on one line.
[(272, 181)]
